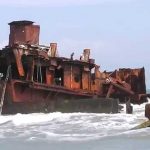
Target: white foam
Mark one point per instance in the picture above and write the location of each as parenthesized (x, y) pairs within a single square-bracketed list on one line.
[(73, 126)]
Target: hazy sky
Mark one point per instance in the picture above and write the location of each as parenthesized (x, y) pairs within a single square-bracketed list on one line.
[(116, 31)]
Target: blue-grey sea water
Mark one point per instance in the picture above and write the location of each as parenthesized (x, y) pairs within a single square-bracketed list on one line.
[(74, 131)]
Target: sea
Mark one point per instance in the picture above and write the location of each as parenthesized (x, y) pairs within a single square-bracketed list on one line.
[(75, 131)]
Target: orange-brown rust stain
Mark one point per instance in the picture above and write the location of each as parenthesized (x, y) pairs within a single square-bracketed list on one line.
[(32, 34), (85, 80), (49, 76), (76, 77), (72, 77), (17, 34), (67, 76), (134, 77), (125, 75), (24, 34), (25, 94), (18, 55), (98, 80)]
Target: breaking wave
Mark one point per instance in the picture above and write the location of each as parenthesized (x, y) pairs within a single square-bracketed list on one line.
[(71, 126)]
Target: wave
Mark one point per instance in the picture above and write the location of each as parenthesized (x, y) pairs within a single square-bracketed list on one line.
[(71, 126)]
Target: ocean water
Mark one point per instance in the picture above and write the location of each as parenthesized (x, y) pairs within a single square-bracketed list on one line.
[(74, 131)]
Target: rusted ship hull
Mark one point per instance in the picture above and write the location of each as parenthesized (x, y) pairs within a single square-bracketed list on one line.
[(64, 106), (33, 78), (25, 97)]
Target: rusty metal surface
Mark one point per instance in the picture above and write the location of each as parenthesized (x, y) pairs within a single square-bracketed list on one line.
[(38, 73), (86, 80), (22, 32), (18, 56), (127, 82), (32, 92), (67, 76), (76, 74)]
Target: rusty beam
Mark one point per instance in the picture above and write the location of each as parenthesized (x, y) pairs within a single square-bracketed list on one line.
[(109, 91), (18, 56), (130, 92)]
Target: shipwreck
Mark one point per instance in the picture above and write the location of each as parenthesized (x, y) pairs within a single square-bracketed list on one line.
[(33, 78)]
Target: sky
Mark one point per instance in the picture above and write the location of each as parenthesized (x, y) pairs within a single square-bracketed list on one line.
[(116, 31)]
